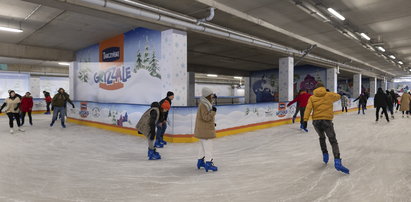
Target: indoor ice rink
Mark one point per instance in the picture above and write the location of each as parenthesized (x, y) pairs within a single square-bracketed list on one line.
[(205, 100)]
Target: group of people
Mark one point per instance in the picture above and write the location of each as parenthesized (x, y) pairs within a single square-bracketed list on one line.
[(16, 107), (156, 117)]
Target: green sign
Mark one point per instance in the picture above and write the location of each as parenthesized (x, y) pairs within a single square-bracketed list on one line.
[(3, 67)]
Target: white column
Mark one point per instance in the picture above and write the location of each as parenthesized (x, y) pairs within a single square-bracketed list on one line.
[(175, 77), (72, 74), (332, 79), (286, 77), (373, 86), (357, 85), (247, 90), (384, 84)]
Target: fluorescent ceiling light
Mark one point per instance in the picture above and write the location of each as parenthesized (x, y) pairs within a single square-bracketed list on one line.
[(363, 35), (64, 63), (7, 29), (400, 62), (392, 57), (238, 77), (336, 14), (212, 75), (381, 48)]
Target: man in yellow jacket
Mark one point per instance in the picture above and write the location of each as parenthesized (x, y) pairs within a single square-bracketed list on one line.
[(321, 106)]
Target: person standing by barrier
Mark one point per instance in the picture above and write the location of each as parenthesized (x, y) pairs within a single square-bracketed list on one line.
[(205, 130), (321, 105), (362, 102), (344, 102), (26, 107), (147, 126), (12, 104), (48, 100), (57, 104), (165, 106)]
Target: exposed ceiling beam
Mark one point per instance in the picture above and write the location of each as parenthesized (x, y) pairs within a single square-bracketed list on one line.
[(35, 52)]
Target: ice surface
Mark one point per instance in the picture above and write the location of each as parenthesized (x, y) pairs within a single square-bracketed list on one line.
[(277, 164)]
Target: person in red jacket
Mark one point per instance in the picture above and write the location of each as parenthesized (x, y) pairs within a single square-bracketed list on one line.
[(302, 100), (48, 100), (25, 107)]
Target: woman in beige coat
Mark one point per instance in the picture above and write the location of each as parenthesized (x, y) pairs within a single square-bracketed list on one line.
[(405, 104), (205, 130), (12, 105)]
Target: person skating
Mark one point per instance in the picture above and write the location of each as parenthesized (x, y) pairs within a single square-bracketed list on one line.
[(302, 99), (26, 107), (381, 102), (405, 104), (57, 104), (12, 104), (147, 126), (48, 100), (344, 102), (321, 106), (165, 106), (390, 104), (297, 107), (205, 130), (362, 102)]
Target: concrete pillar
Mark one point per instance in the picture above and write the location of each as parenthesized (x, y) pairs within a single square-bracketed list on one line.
[(332, 79), (247, 91), (356, 85), (191, 89), (72, 74), (384, 84), (286, 78), (373, 86), (390, 84), (174, 65)]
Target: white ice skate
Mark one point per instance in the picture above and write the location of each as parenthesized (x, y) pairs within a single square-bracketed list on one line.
[(11, 131), (21, 129)]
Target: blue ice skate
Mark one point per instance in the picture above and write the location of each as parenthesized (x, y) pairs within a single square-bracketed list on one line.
[(338, 165), (210, 166)]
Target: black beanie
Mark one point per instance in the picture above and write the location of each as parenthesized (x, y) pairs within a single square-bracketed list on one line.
[(169, 93)]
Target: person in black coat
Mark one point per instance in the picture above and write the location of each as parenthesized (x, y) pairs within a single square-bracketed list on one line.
[(390, 103), (362, 102), (381, 102)]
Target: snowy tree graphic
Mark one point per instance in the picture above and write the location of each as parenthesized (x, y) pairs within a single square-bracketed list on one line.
[(148, 60)]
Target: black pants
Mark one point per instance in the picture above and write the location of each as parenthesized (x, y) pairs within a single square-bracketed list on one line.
[(344, 108), (361, 105), (405, 112), (326, 128), (297, 109), (389, 109), (398, 106), (23, 115), (13, 116), (302, 110), (384, 110), (48, 106)]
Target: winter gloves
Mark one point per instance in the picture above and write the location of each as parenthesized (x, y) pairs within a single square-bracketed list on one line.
[(214, 109)]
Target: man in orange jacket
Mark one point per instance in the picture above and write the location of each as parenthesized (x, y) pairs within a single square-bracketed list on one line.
[(321, 104)]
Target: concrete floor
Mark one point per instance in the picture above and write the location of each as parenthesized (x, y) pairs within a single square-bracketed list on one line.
[(278, 164)]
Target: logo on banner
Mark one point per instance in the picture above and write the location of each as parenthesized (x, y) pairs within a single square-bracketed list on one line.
[(282, 109), (113, 74), (83, 110), (95, 112)]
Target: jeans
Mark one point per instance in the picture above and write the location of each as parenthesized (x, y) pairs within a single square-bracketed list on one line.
[(326, 128), (361, 106), (58, 110), (160, 131), (13, 116), (302, 110)]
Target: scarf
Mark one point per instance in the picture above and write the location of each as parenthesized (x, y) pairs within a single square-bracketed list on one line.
[(207, 103)]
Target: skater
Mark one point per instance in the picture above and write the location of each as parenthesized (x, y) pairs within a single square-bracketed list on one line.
[(344, 102), (321, 105), (302, 99), (381, 102), (165, 106), (205, 130), (58, 106), (405, 104), (395, 98), (48, 100), (297, 107), (390, 104), (12, 104), (147, 126), (362, 102), (26, 107)]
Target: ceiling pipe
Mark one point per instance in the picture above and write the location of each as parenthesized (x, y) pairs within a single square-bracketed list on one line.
[(207, 19), (166, 17)]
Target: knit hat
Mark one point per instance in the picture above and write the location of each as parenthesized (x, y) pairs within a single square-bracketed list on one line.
[(319, 85), (169, 93), (166, 105), (205, 92)]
